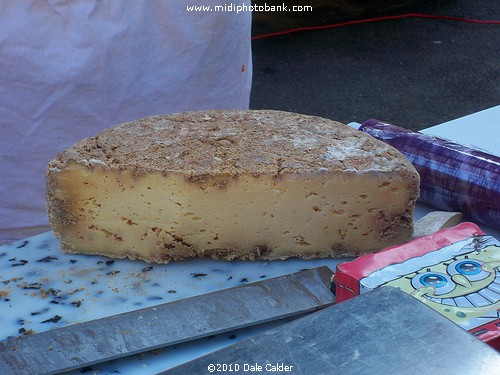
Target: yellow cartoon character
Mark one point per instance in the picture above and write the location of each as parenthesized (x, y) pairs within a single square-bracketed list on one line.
[(461, 281)]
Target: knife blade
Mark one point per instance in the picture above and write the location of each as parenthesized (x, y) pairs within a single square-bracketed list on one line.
[(84, 344), (383, 331)]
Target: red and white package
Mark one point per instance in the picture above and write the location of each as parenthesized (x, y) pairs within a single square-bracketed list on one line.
[(455, 271)]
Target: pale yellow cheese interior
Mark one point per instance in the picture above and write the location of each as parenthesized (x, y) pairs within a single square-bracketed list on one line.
[(160, 217)]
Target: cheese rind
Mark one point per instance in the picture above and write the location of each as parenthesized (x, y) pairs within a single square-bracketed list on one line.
[(231, 185)]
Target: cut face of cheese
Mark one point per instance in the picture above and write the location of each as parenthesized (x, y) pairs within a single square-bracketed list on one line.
[(230, 185)]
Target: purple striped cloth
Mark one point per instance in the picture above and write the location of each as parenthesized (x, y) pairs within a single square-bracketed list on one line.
[(453, 177)]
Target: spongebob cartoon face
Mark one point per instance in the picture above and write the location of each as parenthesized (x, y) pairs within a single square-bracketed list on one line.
[(460, 281)]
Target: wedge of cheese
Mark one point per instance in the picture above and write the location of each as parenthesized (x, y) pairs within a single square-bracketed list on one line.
[(231, 185)]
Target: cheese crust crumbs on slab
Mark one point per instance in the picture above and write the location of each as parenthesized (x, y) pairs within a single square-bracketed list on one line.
[(230, 185)]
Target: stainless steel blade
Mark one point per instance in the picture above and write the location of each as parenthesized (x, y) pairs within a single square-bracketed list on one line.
[(121, 335), (384, 331)]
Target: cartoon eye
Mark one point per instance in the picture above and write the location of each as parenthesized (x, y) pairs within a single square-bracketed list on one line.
[(441, 283), (470, 268)]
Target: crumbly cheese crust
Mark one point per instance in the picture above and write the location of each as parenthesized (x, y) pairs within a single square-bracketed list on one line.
[(236, 142)]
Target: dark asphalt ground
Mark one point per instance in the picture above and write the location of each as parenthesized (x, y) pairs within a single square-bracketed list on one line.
[(412, 72)]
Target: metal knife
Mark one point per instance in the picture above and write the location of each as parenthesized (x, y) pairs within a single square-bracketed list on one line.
[(383, 331), (117, 336)]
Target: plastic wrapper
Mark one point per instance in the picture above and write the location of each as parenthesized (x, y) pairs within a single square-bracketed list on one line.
[(453, 177)]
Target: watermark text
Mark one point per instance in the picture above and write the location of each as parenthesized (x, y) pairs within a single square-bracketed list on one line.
[(239, 8)]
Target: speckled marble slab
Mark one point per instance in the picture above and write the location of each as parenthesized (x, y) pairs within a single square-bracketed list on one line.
[(42, 288)]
